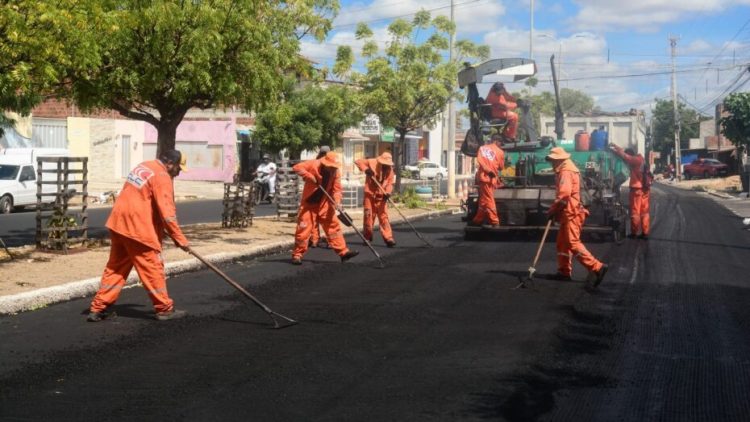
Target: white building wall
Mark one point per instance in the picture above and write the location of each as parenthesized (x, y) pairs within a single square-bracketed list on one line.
[(625, 131)]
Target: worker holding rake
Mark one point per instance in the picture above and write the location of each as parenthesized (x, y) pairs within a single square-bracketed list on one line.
[(570, 213), (320, 174), (143, 211), (378, 187)]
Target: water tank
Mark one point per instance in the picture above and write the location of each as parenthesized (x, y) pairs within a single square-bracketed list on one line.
[(582, 140), (599, 140)]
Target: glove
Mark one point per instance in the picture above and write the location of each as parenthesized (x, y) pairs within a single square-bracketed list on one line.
[(369, 172), (386, 196), (311, 179), (492, 175)]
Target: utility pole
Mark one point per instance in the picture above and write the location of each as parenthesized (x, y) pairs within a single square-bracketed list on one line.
[(676, 122), (451, 123)]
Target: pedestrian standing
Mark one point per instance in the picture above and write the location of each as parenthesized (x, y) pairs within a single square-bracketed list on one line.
[(571, 214), (378, 188), (320, 174), (640, 188), (143, 211), (490, 160)]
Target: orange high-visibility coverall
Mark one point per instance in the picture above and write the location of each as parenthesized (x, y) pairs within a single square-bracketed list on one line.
[(142, 213), (491, 159), (502, 106), (640, 220), (315, 232), (312, 206), (375, 203), (571, 215)]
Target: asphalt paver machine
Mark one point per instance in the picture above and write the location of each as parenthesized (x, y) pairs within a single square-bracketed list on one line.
[(528, 180)]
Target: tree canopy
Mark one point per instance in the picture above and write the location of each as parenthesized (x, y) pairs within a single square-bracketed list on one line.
[(39, 44), (662, 122), (408, 83), (308, 117), (158, 59), (736, 125)]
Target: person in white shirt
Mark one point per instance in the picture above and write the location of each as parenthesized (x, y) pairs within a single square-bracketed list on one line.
[(266, 171)]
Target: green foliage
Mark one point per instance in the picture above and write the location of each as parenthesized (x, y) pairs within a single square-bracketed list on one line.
[(39, 42), (307, 118), (409, 83), (663, 125), (409, 198), (736, 125), (159, 58), (571, 101)]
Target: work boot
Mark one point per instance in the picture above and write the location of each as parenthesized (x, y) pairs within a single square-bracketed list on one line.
[(561, 277), (296, 260), (173, 314), (390, 243), (599, 275), (349, 255), (311, 244), (101, 316), (643, 236)]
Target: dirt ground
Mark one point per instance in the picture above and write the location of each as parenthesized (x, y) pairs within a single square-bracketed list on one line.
[(31, 269), (729, 184)]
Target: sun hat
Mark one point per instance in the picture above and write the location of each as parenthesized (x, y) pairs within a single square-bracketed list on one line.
[(331, 159), (385, 159), (557, 153)]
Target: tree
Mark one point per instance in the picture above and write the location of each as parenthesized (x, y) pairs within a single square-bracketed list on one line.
[(736, 124), (662, 122), (307, 118), (571, 102), (160, 58), (409, 83), (39, 42)]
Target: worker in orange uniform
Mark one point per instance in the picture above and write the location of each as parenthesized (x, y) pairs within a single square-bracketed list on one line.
[(315, 238), (502, 105), (378, 169), (570, 214), (323, 172), (142, 213), (491, 160), (640, 187)]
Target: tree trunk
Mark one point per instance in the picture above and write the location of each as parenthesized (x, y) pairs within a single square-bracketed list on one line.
[(397, 152), (167, 135)]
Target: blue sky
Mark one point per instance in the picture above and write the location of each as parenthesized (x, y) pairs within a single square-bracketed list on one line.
[(616, 51)]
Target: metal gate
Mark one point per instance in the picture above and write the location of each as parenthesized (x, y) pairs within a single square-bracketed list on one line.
[(49, 133)]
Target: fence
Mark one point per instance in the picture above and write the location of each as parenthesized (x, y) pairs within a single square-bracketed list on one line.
[(60, 223)]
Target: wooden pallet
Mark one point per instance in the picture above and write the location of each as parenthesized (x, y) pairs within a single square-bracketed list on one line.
[(238, 205)]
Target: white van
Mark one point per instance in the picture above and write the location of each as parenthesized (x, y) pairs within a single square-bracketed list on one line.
[(18, 176)]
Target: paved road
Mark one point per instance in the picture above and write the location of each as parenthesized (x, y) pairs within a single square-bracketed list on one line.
[(19, 228), (436, 335)]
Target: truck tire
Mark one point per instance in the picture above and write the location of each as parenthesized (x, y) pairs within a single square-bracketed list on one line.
[(6, 204)]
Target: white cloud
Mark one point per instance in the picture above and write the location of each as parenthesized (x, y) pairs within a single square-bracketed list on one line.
[(643, 15), (471, 16)]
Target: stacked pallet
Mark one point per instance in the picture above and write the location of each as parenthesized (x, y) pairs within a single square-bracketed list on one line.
[(287, 192), (60, 221), (238, 205)]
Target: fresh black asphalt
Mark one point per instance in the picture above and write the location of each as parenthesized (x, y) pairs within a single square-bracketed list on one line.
[(436, 335)]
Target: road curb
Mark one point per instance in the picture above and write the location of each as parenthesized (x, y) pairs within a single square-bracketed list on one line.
[(35, 299)]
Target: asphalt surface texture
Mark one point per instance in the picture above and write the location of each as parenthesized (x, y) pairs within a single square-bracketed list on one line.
[(438, 334)]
